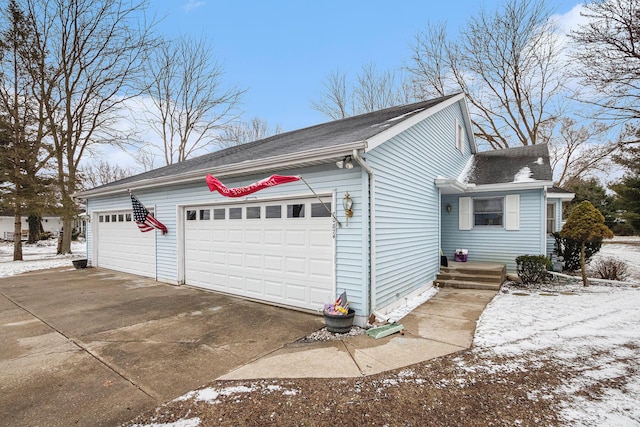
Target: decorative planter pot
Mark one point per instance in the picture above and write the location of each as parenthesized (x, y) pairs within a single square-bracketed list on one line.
[(339, 323), (79, 263)]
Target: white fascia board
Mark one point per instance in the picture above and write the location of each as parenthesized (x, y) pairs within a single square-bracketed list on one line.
[(389, 133), (467, 124), (450, 185), (510, 186), (287, 161), (563, 196)]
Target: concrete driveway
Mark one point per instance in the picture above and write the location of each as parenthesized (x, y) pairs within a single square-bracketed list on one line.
[(96, 347)]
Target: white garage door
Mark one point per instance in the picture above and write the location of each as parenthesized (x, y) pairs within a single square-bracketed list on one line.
[(123, 247), (279, 251)]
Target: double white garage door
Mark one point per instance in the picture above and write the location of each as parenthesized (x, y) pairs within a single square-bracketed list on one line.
[(277, 251)]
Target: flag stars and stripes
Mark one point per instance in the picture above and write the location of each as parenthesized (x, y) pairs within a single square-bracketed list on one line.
[(144, 219)]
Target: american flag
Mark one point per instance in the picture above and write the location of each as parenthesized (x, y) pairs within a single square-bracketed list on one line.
[(144, 219)]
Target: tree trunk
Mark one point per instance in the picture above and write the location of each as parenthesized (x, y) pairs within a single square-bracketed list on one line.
[(583, 267), (67, 231), (35, 227), (17, 237)]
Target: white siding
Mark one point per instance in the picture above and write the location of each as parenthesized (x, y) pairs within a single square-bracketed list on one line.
[(495, 243), (407, 202)]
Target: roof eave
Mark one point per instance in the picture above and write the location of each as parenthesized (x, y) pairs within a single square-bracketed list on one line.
[(453, 186), (511, 186), (282, 162), (564, 196)]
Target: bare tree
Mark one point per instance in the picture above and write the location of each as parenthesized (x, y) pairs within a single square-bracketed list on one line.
[(507, 63), (146, 157), (608, 54), (335, 102), (102, 173), (189, 104), (242, 132), (372, 90), (580, 151), (90, 53)]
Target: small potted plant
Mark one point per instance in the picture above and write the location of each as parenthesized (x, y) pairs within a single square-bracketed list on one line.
[(338, 317)]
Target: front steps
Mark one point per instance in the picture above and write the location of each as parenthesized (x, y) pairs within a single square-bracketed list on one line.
[(472, 275)]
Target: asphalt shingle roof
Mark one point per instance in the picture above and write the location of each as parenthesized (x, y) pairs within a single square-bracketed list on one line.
[(508, 165), (335, 133)]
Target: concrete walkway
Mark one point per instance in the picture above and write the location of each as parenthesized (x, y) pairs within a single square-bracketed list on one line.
[(443, 325)]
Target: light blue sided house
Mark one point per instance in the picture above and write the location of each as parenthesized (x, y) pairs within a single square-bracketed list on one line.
[(416, 183)]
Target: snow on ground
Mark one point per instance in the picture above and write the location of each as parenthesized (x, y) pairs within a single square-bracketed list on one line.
[(624, 248), (38, 256), (592, 330)]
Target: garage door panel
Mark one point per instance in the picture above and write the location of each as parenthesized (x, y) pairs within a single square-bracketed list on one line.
[(273, 289), (253, 262), (254, 287), (281, 260), (296, 238), (235, 236), (296, 292), (273, 263), (273, 238), (121, 246), (295, 265)]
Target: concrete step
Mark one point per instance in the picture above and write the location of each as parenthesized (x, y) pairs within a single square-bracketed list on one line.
[(472, 275), (467, 285), (465, 277)]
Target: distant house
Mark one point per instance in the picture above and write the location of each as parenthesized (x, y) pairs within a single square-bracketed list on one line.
[(51, 224), (417, 182)]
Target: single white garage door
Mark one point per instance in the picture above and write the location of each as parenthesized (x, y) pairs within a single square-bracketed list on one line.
[(277, 251), (123, 247)]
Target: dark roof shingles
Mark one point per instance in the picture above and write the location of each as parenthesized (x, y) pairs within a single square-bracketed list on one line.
[(501, 166), (339, 132)]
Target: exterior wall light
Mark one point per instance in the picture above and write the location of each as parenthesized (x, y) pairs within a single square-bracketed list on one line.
[(449, 207), (347, 204), (345, 163)]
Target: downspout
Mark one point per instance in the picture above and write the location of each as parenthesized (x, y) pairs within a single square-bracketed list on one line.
[(372, 229), (544, 221)]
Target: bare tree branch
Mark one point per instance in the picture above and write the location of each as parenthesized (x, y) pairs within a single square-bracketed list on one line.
[(189, 104)]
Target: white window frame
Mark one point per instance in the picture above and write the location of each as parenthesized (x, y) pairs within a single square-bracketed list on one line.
[(459, 136), (553, 218), (510, 213), (474, 213)]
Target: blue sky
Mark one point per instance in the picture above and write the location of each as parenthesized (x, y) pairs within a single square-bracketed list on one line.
[(282, 50)]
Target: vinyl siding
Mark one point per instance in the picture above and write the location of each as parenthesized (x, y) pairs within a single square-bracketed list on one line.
[(494, 243), (351, 250), (407, 202)]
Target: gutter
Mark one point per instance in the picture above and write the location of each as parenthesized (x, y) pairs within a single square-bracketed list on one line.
[(459, 187), (372, 229), (286, 161)]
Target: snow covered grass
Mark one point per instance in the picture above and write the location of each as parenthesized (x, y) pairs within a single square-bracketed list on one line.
[(38, 256)]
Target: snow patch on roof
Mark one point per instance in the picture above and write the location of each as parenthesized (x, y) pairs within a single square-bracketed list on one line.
[(467, 172), (539, 161), (393, 119), (523, 175)]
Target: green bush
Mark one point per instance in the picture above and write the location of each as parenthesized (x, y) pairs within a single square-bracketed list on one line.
[(532, 268), (569, 250)]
